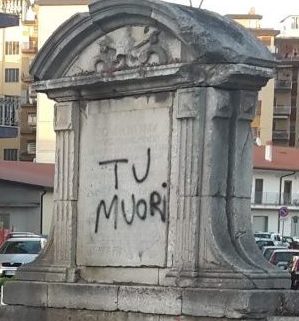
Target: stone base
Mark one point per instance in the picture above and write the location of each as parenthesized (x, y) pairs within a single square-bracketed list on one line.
[(70, 301), (14, 313)]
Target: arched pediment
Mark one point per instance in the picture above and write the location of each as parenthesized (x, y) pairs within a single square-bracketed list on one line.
[(121, 35)]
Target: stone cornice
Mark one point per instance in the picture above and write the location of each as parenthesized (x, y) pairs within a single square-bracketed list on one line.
[(141, 80)]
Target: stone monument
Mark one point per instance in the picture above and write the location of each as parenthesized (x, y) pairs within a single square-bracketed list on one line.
[(153, 171)]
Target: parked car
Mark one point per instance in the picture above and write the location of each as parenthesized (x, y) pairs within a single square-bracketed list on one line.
[(268, 250), (294, 270), (283, 257), (275, 237), (293, 244), (17, 251), (264, 242), (21, 234)]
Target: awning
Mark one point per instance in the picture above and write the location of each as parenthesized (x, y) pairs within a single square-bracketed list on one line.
[(8, 20)]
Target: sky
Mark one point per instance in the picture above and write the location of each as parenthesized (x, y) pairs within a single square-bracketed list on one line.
[(273, 11)]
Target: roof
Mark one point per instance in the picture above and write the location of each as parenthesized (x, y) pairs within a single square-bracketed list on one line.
[(287, 17), (283, 158), (264, 31), (246, 16), (8, 20), (27, 173)]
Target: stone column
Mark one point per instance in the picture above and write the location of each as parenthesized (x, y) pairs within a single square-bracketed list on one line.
[(188, 121), (66, 125), (57, 262)]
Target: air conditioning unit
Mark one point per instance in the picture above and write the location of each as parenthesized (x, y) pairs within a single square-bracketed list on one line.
[(31, 148)]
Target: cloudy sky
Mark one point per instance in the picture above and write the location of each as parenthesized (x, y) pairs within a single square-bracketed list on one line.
[(273, 11)]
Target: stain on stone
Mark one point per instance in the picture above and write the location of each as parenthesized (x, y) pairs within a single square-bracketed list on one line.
[(161, 97)]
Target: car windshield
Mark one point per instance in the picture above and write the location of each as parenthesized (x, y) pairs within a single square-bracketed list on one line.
[(268, 253), (21, 247), (262, 235), (262, 243), (284, 257)]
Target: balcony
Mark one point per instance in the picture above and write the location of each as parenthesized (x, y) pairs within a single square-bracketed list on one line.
[(283, 84), (272, 198), (280, 135), (282, 110), (8, 108), (27, 78), (29, 47)]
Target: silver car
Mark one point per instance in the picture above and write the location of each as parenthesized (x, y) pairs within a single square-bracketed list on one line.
[(17, 251)]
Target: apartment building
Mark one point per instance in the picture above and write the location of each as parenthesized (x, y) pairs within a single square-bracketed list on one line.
[(286, 98), (17, 101), (263, 121), (56, 11), (275, 185)]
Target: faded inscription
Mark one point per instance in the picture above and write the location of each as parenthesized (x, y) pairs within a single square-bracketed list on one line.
[(123, 184)]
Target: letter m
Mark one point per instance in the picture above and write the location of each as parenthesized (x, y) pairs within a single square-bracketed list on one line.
[(102, 207)]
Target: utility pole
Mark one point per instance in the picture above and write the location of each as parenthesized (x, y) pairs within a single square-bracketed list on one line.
[(200, 4), (190, 1)]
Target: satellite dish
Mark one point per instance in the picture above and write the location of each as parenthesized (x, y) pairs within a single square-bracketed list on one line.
[(258, 141)]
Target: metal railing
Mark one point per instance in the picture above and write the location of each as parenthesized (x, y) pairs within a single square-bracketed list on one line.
[(8, 111), (30, 46), (282, 110), (283, 84), (281, 134), (272, 198)]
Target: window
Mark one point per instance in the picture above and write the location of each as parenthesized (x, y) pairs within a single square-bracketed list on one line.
[(12, 48), (10, 154), (8, 108), (32, 119), (258, 194), (295, 23), (11, 75), (260, 223), (31, 147), (287, 194)]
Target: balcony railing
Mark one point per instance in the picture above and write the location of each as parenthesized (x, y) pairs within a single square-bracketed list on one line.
[(283, 84), (282, 110), (8, 111), (31, 148), (29, 47), (272, 198), (281, 135)]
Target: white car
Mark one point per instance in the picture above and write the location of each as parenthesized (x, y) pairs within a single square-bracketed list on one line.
[(276, 238), (17, 251)]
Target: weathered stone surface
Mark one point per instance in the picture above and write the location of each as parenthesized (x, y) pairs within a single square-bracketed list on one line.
[(128, 164), (152, 194), (230, 303), (150, 300), (81, 296), (120, 275), (26, 293)]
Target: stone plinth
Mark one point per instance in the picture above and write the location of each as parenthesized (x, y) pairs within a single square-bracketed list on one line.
[(153, 171)]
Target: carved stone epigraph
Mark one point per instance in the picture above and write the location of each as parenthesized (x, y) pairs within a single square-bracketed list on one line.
[(131, 53)]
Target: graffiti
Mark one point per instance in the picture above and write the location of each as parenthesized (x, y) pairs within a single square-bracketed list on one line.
[(115, 162), (134, 207), (147, 168)]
